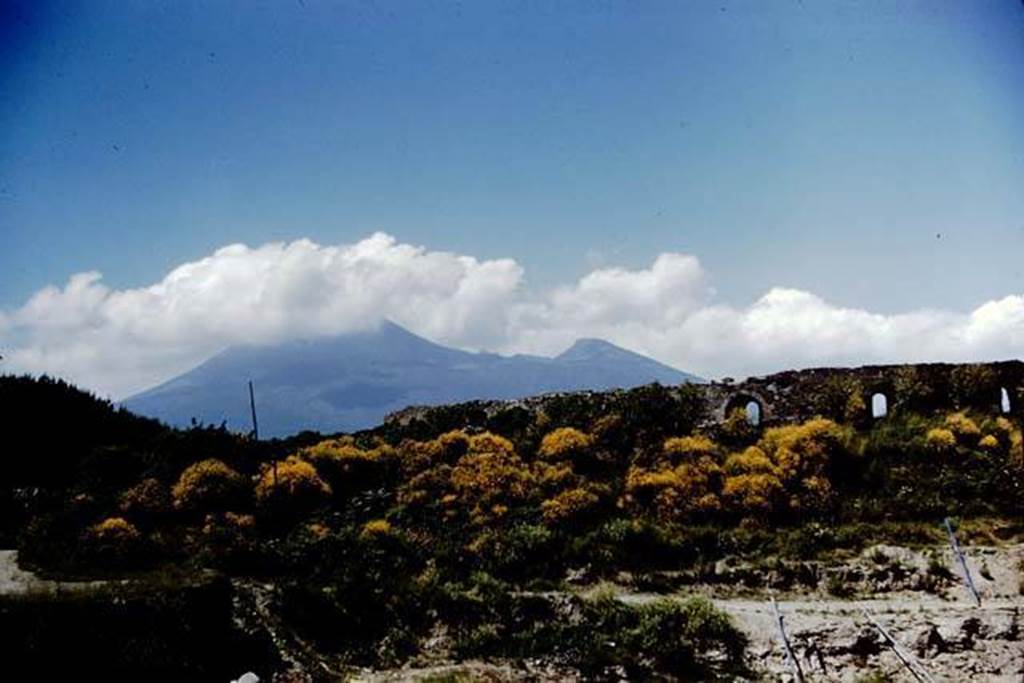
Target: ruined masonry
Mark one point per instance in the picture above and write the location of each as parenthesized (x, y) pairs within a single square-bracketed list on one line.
[(798, 395)]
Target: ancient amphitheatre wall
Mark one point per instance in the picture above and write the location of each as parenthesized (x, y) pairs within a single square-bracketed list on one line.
[(797, 395)]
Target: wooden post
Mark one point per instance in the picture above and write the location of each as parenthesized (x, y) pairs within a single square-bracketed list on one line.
[(794, 664), (912, 665), (963, 563)]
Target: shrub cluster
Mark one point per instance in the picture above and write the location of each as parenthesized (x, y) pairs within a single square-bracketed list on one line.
[(291, 487), (209, 485), (379, 537), (788, 471), (599, 636)]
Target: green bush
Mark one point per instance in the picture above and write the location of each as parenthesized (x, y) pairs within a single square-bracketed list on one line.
[(677, 636), (601, 635)]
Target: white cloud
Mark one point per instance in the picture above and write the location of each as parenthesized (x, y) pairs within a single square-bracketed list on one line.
[(612, 303), (121, 341)]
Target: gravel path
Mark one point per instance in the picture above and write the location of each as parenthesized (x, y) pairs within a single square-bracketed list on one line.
[(16, 581)]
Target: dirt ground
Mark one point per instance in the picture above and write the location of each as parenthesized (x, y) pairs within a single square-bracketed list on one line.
[(918, 596), (935, 622), (944, 632)]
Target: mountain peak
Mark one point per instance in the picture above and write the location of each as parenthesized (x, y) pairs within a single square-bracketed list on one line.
[(589, 348), (351, 381)]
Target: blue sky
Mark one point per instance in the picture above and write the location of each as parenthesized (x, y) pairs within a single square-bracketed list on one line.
[(869, 152), (818, 145)]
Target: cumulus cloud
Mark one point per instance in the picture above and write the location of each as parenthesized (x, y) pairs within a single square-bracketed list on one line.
[(793, 328), (614, 304), (121, 341)]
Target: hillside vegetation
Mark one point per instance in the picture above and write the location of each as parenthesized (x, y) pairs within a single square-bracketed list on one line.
[(376, 542)]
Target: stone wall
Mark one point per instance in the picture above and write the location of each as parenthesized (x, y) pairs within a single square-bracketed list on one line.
[(797, 395)]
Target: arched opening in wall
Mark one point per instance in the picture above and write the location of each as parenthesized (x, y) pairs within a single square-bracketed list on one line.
[(879, 405), (745, 406), (1004, 400), (753, 409)]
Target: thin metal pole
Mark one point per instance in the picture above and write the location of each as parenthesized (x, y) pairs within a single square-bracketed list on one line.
[(252, 407), (912, 665), (963, 563), (256, 427), (793, 663)]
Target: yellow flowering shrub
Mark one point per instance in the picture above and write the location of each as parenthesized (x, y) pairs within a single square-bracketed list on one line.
[(1017, 447), (964, 428), (208, 485), (487, 442), (565, 443), (376, 528), (737, 429), (114, 540), (1010, 438), (753, 493), (481, 486), (328, 447), (231, 524), (426, 487), (146, 499), (689, 448), (752, 484), (116, 530), (788, 468), (345, 466), (293, 486), (1003, 426), (240, 521), (989, 443), (554, 476), (940, 439), (675, 493), (803, 450), (451, 446), (814, 495), (417, 456), (568, 505), (331, 451), (486, 484), (751, 461)]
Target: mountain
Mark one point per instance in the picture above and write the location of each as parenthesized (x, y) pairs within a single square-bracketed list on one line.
[(350, 382)]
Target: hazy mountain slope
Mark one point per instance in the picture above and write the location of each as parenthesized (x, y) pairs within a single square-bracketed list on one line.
[(352, 381)]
